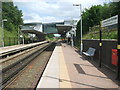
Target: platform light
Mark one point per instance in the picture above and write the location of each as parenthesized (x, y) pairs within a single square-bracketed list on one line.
[(22, 36), (4, 20), (81, 44)]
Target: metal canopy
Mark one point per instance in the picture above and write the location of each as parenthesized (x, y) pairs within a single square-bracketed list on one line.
[(32, 31), (34, 28), (63, 29)]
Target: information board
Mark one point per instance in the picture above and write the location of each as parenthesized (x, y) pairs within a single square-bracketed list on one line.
[(110, 21)]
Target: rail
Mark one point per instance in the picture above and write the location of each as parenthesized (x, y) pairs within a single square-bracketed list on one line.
[(9, 72)]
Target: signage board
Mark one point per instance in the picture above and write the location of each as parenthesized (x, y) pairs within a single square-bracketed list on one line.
[(110, 21)]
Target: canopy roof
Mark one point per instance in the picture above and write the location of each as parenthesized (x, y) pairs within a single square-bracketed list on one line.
[(63, 29)]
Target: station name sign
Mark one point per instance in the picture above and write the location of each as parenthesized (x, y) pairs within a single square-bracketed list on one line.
[(110, 21)]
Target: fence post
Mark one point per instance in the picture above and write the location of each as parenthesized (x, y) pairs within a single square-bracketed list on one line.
[(4, 42), (14, 40), (9, 40)]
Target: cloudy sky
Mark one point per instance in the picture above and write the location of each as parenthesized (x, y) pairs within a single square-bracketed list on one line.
[(47, 11)]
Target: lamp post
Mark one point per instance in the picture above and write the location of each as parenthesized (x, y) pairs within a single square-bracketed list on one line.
[(21, 36), (81, 44), (72, 23), (4, 20)]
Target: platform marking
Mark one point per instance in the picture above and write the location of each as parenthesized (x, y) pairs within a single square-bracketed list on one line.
[(79, 69), (64, 76)]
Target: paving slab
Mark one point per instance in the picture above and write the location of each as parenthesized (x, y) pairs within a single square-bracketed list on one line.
[(89, 76), (50, 77), (68, 69)]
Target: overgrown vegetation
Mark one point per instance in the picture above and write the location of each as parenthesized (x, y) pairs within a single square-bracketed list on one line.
[(13, 16), (50, 37), (92, 17), (105, 35), (14, 19)]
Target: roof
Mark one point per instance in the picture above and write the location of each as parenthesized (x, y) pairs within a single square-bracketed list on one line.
[(32, 23), (62, 29)]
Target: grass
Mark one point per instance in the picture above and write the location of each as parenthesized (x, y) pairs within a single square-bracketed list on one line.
[(10, 38), (105, 35)]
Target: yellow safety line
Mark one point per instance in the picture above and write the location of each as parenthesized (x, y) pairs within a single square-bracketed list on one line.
[(64, 76)]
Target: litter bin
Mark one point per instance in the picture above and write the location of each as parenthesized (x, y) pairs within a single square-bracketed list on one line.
[(114, 57)]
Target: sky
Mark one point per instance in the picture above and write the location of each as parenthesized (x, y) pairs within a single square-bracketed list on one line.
[(47, 11)]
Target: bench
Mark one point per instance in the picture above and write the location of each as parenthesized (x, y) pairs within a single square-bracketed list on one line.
[(90, 52)]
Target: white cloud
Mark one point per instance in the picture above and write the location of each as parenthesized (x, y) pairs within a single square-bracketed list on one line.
[(36, 18), (51, 11)]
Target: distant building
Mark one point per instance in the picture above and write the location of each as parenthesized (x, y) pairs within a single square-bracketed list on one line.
[(116, 0), (70, 22), (41, 29), (35, 28)]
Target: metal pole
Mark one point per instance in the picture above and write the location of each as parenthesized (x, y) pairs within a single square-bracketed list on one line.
[(100, 48), (9, 41), (81, 44), (14, 40), (81, 29), (23, 40), (2, 33), (72, 41), (118, 47)]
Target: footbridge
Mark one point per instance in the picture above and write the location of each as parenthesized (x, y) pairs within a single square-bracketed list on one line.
[(41, 29)]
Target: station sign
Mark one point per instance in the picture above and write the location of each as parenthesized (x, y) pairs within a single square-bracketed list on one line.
[(110, 21)]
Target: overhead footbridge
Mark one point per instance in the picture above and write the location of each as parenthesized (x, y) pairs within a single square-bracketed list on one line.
[(41, 29), (68, 26), (63, 29)]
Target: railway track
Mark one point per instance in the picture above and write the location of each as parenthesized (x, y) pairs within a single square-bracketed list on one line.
[(11, 71), (18, 49), (14, 58)]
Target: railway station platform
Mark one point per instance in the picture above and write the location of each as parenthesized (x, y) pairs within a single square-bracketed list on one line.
[(17, 47), (67, 69)]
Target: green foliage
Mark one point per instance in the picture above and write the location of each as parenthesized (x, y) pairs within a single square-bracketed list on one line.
[(50, 37), (13, 16), (0, 36), (105, 35), (93, 16), (115, 8)]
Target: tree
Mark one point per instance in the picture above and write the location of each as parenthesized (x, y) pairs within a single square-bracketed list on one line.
[(115, 8), (13, 16), (95, 14)]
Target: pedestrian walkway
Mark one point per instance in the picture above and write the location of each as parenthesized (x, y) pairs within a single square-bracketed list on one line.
[(68, 69)]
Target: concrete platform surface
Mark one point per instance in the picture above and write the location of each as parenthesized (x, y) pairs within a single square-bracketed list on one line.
[(14, 47), (68, 69)]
